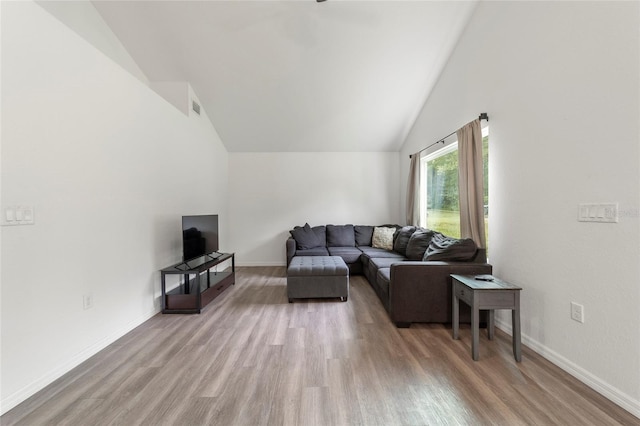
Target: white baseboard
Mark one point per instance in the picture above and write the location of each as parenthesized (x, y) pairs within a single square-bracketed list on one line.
[(605, 389), (274, 263), (21, 395)]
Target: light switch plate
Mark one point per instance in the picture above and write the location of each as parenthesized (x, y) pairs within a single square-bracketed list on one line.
[(598, 212), (17, 215)]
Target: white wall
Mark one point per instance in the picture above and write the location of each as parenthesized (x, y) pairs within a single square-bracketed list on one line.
[(83, 18), (109, 167), (560, 83), (270, 193)]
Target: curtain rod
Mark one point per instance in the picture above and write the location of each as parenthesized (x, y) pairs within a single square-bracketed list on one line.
[(483, 116)]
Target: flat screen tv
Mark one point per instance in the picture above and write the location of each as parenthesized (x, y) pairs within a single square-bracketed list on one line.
[(199, 236)]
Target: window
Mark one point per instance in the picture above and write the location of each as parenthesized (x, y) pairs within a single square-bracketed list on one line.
[(439, 200)]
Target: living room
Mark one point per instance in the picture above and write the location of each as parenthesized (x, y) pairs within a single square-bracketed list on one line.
[(109, 167)]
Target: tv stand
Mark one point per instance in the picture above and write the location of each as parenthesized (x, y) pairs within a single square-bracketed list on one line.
[(193, 294)]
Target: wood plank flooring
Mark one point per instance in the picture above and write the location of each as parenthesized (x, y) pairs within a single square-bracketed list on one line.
[(251, 358)]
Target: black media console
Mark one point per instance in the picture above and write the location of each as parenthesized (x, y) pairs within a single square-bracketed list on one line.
[(194, 293)]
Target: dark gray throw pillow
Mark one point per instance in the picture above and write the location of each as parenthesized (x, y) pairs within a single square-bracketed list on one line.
[(450, 249), (341, 236), (364, 234), (321, 233), (305, 237), (401, 239), (418, 244)]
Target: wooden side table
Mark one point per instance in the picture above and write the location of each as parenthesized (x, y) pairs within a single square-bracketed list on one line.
[(486, 295)]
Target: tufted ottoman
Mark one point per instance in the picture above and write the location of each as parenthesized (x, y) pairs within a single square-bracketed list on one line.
[(317, 276)]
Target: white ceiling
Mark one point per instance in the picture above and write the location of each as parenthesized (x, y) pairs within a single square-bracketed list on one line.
[(296, 75)]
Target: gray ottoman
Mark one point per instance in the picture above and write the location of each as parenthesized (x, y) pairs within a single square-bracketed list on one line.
[(317, 276)]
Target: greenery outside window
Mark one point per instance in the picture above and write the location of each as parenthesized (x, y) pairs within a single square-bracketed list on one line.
[(439, 199)]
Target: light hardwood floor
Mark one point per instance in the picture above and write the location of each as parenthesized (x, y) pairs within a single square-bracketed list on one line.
[(251, 358)]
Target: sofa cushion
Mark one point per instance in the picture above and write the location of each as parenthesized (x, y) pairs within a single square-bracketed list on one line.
[(348, 254), (372, 252), (383, 237), (321, 233), (341, 236), (418, 244), (305, 237), (364, 234), (316, 251), (384, 262), (383, 278), (446, 248), (401, 239)]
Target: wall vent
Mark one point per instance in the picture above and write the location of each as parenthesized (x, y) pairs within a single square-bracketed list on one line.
[(196, 107)]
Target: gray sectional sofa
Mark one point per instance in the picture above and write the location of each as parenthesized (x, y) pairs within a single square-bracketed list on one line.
[(411, 276)]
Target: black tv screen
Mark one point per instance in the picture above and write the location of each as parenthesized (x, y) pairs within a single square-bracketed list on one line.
[(199, 235)]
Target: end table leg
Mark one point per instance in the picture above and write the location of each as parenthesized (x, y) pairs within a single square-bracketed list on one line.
[(475, 329), (515, 318), (491, 324), (455, 319)]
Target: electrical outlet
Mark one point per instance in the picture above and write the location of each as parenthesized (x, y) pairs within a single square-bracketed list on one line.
[(577, 312), (87, 301)]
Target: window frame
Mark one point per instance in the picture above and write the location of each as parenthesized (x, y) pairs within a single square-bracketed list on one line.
[(425, 157)]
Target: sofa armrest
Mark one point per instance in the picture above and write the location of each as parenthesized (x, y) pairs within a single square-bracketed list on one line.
[(421, 291), (291, 249)]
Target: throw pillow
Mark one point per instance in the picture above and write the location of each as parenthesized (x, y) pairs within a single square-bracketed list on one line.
[(401, 239), (305, 237), (418, 244), (321, 233), (340, 236), (450, 249), (383, 237), (364, 234)]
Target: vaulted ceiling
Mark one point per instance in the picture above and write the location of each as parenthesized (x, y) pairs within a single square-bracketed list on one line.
[(296, 75)]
